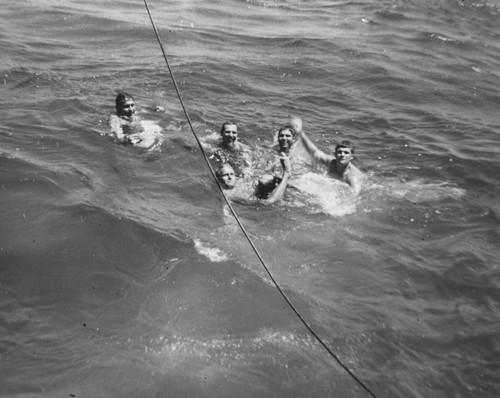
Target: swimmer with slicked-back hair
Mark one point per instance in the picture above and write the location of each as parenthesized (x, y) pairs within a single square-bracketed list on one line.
[(125, 105), (226, 176), (128, 128), (339, 165), (125, 125)]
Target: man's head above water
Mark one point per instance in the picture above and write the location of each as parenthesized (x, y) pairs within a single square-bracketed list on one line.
[(125, 105)]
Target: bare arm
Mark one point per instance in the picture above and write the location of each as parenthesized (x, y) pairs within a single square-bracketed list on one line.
[(318, 155), (278, 192), (355, 178)]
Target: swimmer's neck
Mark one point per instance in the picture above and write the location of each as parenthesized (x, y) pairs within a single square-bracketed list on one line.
[(230, 146), (131, 118), (288, 150)]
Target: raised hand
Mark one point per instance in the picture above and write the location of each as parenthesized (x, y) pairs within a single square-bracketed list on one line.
[(285, 162), (296, 123)]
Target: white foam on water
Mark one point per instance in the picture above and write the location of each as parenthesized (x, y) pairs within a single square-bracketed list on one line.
[(151, 137), (214, 254), (333, 197), (418, 190)]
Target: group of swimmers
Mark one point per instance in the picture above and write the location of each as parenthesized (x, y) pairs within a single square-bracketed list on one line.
[(270, 188)]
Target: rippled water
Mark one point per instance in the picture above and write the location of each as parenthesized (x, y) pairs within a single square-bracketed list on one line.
[(122, 274)]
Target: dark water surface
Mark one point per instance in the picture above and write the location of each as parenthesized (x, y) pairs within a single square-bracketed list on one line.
[(123, 275)]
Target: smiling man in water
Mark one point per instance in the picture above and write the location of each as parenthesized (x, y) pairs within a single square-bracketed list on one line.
[(286, 140), (125, 106), (128, 128), (229, 135), (231, 150), (125, 125), (339, 165), (230, 139)]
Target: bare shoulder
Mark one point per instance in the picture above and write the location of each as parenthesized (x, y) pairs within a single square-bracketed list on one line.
[(114, 119), (355, 178), (355, 171)]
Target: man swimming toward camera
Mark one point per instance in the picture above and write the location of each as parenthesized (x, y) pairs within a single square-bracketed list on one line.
[(339, 165), (129, 128)]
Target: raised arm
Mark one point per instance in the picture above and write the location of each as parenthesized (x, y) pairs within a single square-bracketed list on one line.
[(278, 192), (318, 155)]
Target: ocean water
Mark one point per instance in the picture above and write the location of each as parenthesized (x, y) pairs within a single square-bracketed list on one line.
[(122, 273)]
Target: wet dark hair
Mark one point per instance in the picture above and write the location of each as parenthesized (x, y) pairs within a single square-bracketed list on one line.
[(227, 123), (345, 144), (265, 187), (121, 98)]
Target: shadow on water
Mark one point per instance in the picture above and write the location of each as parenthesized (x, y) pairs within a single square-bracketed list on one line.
[(91, 297)]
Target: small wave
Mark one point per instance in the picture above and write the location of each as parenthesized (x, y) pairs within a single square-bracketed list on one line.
[(418, 191), (214, 254), (442, 38), (488, 6), (267, 4), (391, 15)]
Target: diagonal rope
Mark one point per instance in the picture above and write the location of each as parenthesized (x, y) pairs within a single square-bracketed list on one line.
[(233, 212)]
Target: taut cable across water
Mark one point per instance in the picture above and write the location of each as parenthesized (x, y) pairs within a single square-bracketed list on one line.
[(233, 212)]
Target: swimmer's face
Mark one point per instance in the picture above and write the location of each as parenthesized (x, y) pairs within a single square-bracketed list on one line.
[(343, 155), (127, 109), (229, 134), (285, 139), (227, 177)]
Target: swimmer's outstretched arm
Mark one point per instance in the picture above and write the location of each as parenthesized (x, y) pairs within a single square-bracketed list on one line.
[(278, 192), (318, 155)]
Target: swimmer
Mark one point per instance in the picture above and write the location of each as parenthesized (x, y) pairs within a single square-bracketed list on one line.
[(125, 125), (285, 146), (226, 176), (128, 128), (269, 189), (231, 150), (229, 135), (229, 143), (339, 165), (125, 106), (286, 140)]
